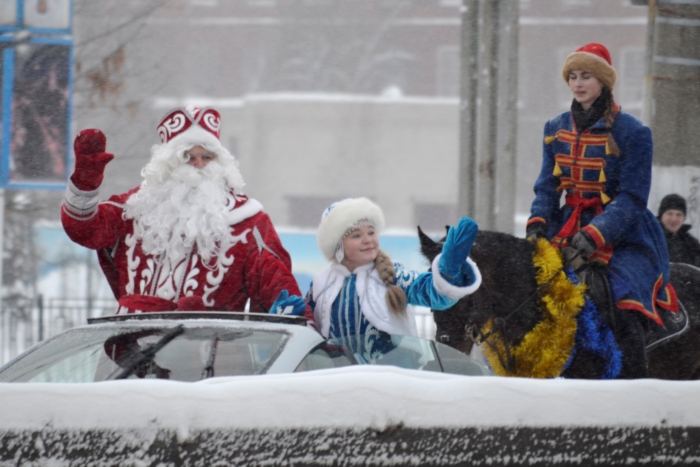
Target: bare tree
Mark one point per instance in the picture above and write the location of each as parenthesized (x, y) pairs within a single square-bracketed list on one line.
[(105, 37), (115, 75), (104, 32)]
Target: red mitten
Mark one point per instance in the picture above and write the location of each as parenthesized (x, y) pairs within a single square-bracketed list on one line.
[(90, 159)]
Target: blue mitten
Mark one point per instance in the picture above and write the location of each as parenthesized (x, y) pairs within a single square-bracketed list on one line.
[(291, 305), (453, 263)]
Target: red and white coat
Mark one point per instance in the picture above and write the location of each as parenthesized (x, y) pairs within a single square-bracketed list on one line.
[(256, 267)]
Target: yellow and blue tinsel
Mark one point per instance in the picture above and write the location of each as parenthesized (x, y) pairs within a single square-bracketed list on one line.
[(571, 322)]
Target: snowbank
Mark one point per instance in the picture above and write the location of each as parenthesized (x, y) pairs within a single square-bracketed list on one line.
[(359, 396), (358, 415)]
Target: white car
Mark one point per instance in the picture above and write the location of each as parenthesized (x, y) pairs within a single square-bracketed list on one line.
[(191, 346)]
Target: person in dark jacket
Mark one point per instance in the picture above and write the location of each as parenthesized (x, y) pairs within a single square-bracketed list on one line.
[(682, 246)]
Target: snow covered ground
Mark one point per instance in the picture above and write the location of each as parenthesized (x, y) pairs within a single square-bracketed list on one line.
[(358, 396), (353, 416)]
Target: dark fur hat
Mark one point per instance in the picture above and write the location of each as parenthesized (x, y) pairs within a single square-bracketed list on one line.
[(672, 201)]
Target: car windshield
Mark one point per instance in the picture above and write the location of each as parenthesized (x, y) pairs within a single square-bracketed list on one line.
[(164, 352), (410, 352)]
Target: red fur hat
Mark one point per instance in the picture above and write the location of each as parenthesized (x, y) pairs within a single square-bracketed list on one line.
[(190, 126), (595, 59)]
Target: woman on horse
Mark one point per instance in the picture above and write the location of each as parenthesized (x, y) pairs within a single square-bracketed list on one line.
[(363, 296), (601, 157)]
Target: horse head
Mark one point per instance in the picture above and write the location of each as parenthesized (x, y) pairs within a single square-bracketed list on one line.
[(504, 297), (451, 325)]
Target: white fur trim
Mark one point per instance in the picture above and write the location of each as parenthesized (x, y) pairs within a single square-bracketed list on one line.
[(452, 291), (249, 209), (343, 215), (82, 203), (326, 287), (371, 292), (196, 136)]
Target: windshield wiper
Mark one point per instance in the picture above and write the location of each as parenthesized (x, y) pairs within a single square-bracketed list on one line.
[(148, 353), (208, 370)]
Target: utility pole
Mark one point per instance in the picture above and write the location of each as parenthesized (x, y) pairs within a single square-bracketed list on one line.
[(648, 63), (675, 98), (676, 85), (487, 149), (506, 162), (469, 91), (488, 133)]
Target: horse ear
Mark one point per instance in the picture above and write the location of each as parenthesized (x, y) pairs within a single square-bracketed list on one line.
[(428, 246), (447, 229)]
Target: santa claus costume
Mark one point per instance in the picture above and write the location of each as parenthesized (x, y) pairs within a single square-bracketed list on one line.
[(186, 238)]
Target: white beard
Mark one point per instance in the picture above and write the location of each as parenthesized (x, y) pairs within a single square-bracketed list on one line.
[(186, 210)]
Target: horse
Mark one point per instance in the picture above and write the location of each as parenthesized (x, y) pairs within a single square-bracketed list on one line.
[(509, 304)]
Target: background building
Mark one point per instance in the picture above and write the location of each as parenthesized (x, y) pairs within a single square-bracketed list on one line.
[(324, 99)]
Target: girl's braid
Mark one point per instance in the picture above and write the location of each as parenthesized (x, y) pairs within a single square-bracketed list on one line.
[(395, 296)]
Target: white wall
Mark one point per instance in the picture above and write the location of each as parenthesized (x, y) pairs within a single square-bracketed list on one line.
[(397, 152)]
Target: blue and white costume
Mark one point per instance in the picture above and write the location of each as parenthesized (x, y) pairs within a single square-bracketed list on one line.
[(351, 306)]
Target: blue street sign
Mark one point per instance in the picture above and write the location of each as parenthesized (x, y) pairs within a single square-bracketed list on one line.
[(36, 69), (37, 82)]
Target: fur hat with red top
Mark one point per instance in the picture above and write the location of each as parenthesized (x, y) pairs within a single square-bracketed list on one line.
[(595, 59), (185, 126)]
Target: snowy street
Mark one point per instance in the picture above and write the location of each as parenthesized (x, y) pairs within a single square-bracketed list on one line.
[(352, 416)]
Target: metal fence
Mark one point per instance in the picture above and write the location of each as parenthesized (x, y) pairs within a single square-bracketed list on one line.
[(25, 321), (65, 313)]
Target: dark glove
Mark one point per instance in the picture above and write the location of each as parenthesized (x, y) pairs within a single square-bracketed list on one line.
[(290, 305), (535, 231), (90, 159), (584, 244), (453, 263)]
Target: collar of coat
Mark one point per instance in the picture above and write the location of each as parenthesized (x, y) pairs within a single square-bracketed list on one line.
[(587, 118)]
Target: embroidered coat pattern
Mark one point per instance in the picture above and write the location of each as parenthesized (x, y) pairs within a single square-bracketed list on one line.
[(256, 266), (606, 196)]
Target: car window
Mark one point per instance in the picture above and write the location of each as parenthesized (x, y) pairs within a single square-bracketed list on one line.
[(456, 362), (387, 349), (410, 352), (88, 355), (326, 356)]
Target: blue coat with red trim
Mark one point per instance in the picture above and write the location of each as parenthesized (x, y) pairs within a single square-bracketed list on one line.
[(606, 196)]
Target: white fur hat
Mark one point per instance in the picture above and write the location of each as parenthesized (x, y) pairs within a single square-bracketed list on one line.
[(342, 216)]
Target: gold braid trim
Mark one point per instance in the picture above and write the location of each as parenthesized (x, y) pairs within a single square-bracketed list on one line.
[(544, 350)]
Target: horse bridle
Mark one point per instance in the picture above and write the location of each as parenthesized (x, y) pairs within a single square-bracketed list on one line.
[(472, 332), (448, 337), (499, 323)]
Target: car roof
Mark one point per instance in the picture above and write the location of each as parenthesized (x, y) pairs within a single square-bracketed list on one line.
[(307, 337), (303, 336), (209, 315)]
